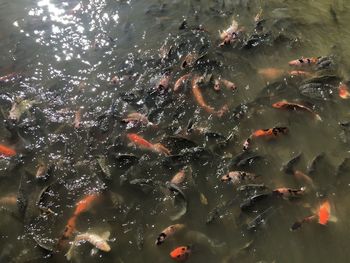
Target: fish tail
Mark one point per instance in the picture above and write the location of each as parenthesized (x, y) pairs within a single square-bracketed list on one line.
[(318, 117)]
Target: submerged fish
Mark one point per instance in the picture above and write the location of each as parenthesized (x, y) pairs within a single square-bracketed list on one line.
[(288, 193), (295, 107), (271, 73), (6, 151), (237, 177), (181, 253), (181, 81), (98, 241), (303, 61), (343, 91), (178, 178), (322, 216), (19, 107), (168, 232)]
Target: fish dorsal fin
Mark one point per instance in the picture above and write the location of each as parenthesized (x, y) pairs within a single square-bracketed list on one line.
[(105, 235)]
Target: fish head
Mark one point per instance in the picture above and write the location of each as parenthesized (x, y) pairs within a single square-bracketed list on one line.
[(279, 104)]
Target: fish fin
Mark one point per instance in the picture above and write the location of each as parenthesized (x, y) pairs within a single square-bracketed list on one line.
[(333, 219), (70, 253), (318, 117), (105, 235)]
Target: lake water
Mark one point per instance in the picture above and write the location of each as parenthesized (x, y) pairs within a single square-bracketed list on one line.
[(101, 60)]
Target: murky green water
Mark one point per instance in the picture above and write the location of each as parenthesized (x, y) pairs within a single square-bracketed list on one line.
[(65, 56)]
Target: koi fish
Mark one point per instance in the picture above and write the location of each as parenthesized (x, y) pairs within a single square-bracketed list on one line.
[(137, 117), (43, 170), (300, 73), (322, 216), (6, 151), (324, 213), (303, 61), (178, 178), (288, 193), (303, 177), (139, 141), (168, 232), (163, 83), (271, 73), (198, 95), (295, 107), (228, 84), (343, 91), (160, 148), (269, 133), (181, 81), (181, 253), (10, 199), (217, 85), (98, 241), (237, 177), (77, 119), (229, 35), (82, 206)]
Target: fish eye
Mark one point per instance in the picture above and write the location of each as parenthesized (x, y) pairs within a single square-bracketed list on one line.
[(183, 249), (178, 256)]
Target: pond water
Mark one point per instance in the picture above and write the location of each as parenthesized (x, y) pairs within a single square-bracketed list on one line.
[(72, 71)]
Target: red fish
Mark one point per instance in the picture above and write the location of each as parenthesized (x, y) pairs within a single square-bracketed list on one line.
[(181, 253), (139, 141), (6, 151), (295, 107), (198, 95), (343, 91), (303, 61), (324, 213)]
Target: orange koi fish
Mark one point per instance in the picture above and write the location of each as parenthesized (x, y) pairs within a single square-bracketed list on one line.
[(324, 213), (271, 73), (228, 84), (269, 133), (181, 81), (322, 216), (168, 232), (139, 141), (303, 61), (295, 107), (6, 151), (181, 253), (178, 178), (198, 95), (343, 91), (70, 227), (300, 73)]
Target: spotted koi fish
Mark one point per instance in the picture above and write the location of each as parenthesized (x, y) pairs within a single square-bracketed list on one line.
[(168, 232), (268, 133), (181, 253), (303, 61), (295, 107)]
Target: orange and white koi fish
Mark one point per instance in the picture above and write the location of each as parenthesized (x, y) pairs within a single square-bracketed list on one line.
[(181, 82), (343, 91), (237, 177), (168, 232), (229, 35), (268, 133), (178, 178), (142, 143), (6, 151), (303, 61), (271, 73), (181, 253), (295, 107), (288, 193), (228, 84), (98, 241)]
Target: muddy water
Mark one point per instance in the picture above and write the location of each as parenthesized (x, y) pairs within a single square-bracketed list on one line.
[(65, 55)]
